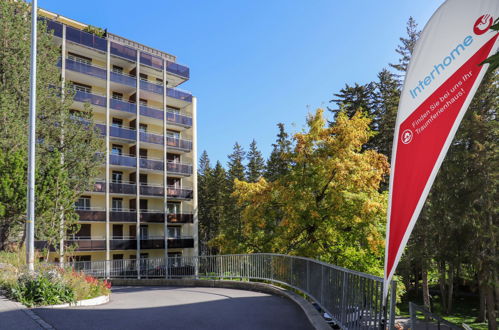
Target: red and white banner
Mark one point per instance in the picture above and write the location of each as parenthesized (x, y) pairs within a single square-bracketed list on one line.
[(441, 80)]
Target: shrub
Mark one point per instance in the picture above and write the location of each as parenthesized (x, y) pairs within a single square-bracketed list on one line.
[(41, 289)]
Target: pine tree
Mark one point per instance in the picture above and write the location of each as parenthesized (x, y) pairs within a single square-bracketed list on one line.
[(278, 163), (386, 99), (351, 99), (204, 205), (406, 47), (256, 164), (236, 164), (75, 142)]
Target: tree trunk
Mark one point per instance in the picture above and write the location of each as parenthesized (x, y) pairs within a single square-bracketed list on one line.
[(481, 314), (426, 289), (490, 304), (441, 282), (450, 288)]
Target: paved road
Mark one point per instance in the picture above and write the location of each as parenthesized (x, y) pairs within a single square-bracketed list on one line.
[(13, 316), (181, 308)]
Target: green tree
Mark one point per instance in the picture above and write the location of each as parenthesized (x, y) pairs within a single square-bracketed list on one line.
[(406, 47), (352, 98), (75, 142), (327, 206), (278, 163), (256, 164)]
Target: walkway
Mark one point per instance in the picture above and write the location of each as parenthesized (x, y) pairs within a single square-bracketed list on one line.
[(15, 316), (181, 308)]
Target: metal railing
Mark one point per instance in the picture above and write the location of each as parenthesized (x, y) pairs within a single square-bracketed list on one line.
[(353, 299), (431, 320)]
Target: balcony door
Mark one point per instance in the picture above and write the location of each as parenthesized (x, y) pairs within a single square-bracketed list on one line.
[(117, 231), (173, 208), (144, 232)]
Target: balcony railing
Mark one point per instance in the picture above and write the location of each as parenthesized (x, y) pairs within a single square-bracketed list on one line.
[(126, 215), (123, 133), (124, 79), (87, 69), (177, 69), (179, 193), (179, 119), (122, 160), (151, 87), (126, 52), (146, 190), (151, 164), (179, 144), (179, 168), (94, 99), (86, 39), (178, 94)]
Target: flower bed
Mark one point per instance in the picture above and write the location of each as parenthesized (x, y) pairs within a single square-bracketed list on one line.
[(49, 285)]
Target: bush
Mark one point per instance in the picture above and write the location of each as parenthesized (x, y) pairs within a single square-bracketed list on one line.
[(49, 285), (41, 289)]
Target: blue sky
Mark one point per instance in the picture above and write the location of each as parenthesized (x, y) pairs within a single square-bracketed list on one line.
[(256, 63)]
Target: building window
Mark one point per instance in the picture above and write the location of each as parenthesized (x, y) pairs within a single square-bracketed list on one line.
[(117, 256), (144, 232), (173, 134), (80, 59), (173, 208), (117, 122), (117, 150), (143, 128), (117, 204), (143, 77), (143, 102), (174, 232), (118, 232), (117, 69), (173, 158), (83, 203), (117, 177), (84, 232), (174, 183), (117, 96), (82, 87), (172, 109)]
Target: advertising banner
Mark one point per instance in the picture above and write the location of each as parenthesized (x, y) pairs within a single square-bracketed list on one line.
[(441, 80)]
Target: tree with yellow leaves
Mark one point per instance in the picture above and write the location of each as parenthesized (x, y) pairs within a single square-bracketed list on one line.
[(327, 207)]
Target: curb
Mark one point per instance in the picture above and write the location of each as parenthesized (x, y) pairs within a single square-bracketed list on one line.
[(87, 302), (313, 316), (31, 314)]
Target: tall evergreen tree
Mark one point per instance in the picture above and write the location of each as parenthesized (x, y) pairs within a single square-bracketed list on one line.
[(75, 143), (279, 161), (236, 169), (386, 99), (256, 164), (350, 99), (406, 47)]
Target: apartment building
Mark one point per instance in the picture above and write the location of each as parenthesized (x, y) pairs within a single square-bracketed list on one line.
[(145, 200)]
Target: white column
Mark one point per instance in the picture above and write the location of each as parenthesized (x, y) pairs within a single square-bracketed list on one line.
[(195, 175), (165, 170), (137, 155), (108, 128)]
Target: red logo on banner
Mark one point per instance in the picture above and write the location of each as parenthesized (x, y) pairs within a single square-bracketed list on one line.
[(406, 136), (483, 24)]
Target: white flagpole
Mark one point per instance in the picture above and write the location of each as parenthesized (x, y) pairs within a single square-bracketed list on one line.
[(30, 226)]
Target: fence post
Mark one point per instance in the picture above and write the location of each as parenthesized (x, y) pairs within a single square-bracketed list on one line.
[(344, 298), (412, 315), (308, 276), (393, 302)]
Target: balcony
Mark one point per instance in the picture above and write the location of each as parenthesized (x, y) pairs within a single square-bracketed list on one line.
[(178, 144), (151, 87), (125, 243), (122, 160), (125, 52), (178, 168), (151, 164), (180, 218), (179, 193), (178, 119), (179, 95), (123, 133), (87, 69), (178, 69), (93, 99), (86, 39), (124, 79), (149, 190), (91, 214)]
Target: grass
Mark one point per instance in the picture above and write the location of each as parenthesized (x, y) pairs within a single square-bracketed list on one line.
[(465, 310)]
